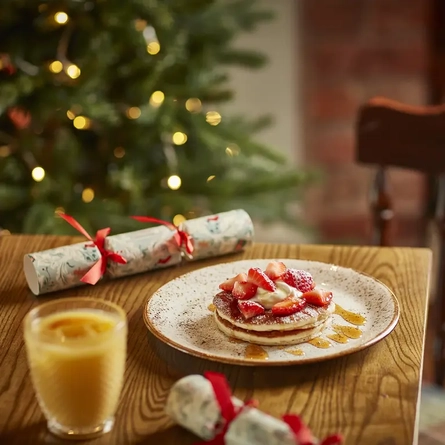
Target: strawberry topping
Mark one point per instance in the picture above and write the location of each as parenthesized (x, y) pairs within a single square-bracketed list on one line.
[(300, 279), (250, 309), (228, 285), (243, 290), (275, 270), (318, 297), (288, 306), (260, 279)]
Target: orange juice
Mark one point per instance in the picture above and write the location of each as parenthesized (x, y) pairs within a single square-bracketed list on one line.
[(77, 361)]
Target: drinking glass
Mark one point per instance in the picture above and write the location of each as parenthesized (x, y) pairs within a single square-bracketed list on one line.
[(76, 349)]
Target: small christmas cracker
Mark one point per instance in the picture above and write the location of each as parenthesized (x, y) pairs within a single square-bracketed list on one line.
[(204, 405)]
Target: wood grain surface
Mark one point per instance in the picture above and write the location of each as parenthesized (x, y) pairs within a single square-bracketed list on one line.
[(371, 396)]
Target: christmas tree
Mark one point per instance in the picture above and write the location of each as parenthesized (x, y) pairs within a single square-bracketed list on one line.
[(110, 109)]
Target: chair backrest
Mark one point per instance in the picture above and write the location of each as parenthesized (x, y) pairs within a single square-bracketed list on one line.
[(392, 134)]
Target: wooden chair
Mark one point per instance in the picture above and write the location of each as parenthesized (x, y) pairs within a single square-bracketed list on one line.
[(392, 134)]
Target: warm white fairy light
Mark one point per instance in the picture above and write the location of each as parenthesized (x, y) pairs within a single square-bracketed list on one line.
[(179, 138), (38, 174), (211, 177), (73, 71), (56, 66), (59, 210), (213, 118), (87, 195), (70, 115), (61, 18), (134, 113), (178, 219), (174, 182), (151, 38), (193, 105), (232, 150), (81, 123), (153, 48), (157, 98)]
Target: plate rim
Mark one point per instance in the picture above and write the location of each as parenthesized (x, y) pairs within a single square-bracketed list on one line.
[(254, 362)]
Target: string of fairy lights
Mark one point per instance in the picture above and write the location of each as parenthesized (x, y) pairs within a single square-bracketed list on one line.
[(81, 122)]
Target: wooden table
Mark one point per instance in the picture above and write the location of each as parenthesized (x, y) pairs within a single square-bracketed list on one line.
[(371, 397)]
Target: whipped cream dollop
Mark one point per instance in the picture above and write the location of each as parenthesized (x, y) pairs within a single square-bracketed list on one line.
[(268, 299)]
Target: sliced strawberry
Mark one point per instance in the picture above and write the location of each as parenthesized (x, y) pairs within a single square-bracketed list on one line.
[(243, 290), (228, 285), (300, 279), (288, 306), (275, 270), (318, 297), (258, 277), (250, 309)]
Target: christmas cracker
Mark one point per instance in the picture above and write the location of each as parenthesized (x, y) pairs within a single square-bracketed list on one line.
[(136, 252), (197, 403)]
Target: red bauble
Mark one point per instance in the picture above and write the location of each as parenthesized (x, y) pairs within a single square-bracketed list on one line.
[(5, 65), (19, 117)]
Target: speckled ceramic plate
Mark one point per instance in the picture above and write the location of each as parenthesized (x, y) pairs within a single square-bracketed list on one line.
[(179, 314)]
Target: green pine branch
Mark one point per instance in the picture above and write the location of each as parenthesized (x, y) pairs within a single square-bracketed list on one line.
[(96, 127)]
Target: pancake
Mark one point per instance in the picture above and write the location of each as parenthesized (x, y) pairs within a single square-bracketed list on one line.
[(269, 329), (270, 338), (227, 307)]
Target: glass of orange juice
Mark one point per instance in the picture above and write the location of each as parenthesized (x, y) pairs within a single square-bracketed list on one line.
[(76, 350)]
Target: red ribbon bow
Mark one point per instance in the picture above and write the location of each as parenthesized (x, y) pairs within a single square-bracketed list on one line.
[(182, 238), (223, 396), (99, 268), (303, 435)]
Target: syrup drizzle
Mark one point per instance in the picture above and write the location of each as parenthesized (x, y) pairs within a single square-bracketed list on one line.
[(255, 352), (347, 331), (344, 333), (298, 352), (349, 316), (320, 343), (338, 338)]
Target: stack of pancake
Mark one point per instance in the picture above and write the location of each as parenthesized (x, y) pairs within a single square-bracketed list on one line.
[(268, 329)]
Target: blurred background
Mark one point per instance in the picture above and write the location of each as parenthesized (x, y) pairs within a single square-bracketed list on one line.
[(176, 109), (334, 55)]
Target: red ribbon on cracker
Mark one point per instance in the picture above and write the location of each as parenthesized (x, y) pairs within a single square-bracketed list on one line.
[(183, 239), (229, 411), (99, 268)]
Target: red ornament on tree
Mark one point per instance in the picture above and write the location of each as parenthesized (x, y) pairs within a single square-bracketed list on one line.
[(19, 117), (6, 65)]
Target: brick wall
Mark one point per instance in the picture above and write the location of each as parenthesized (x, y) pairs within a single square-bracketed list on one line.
[(353, 50)]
